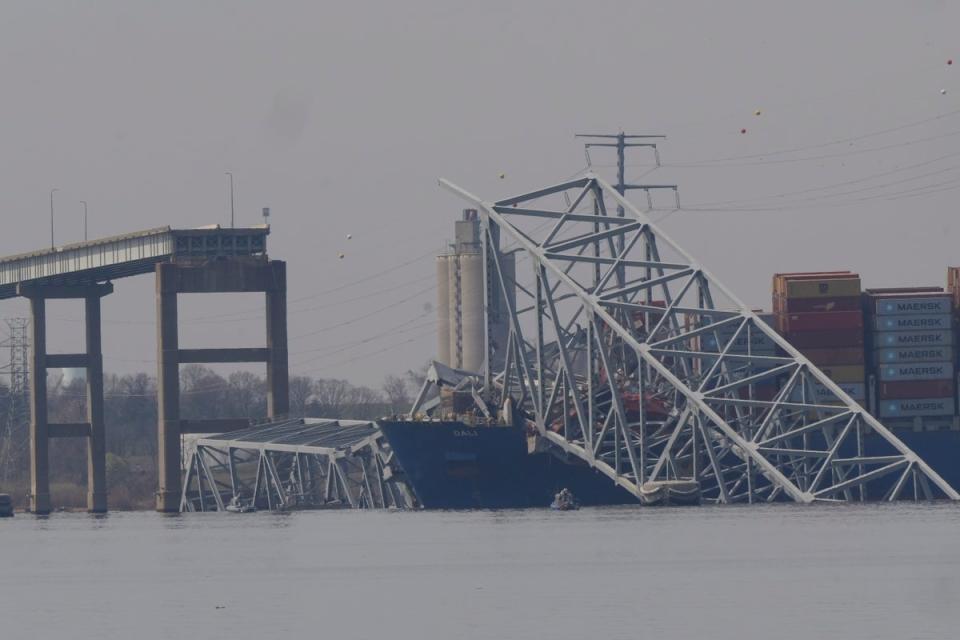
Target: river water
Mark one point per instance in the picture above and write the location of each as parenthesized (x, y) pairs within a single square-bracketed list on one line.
[(778, 572)]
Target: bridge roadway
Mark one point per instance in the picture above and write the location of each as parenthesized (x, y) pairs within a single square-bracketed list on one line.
[(203, 260), (125, 255)]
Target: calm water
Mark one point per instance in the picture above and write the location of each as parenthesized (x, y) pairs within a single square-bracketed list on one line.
[(780, 572)]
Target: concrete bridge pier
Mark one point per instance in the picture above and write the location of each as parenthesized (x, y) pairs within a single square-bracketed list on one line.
[(41, 429), (220, 275)]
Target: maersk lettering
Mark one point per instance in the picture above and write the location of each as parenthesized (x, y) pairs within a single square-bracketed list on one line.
[(917, 307), (929, 306), (921, 405), (908, 323), (895, 339), (905, 372)]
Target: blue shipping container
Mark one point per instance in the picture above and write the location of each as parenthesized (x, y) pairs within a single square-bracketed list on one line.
[(942, 322), (917, 354), (914, 339), (914, 306), (916, 408), (917, 371), (856, 390)]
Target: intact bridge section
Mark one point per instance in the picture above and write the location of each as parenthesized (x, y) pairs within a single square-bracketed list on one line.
[(205, 260)]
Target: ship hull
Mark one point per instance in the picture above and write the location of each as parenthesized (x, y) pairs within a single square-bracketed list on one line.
[(451, 465)]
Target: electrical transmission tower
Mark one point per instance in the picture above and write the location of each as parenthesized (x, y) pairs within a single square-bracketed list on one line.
[(17, 418)]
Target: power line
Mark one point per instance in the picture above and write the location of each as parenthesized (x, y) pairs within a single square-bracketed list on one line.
[(832, 185), (817, 146)]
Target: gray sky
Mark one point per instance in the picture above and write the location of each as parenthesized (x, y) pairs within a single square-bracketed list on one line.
[(340, 116)]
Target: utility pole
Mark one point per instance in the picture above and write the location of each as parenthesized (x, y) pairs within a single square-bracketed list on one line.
[(230, 173), (622, 144)]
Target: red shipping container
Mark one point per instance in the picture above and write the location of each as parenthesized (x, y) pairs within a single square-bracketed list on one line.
[(916, 389), (825, 339), (837, 356), (808, 305), (821, 321)]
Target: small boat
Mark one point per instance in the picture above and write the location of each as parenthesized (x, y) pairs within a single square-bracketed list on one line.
[(6, 506), (239, 505), (564, 501)]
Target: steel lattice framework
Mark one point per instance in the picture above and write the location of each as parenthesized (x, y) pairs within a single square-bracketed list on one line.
[(627, 353), (296, 464)]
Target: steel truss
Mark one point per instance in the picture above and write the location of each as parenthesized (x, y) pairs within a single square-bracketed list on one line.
[(627, 353), (296, 464)]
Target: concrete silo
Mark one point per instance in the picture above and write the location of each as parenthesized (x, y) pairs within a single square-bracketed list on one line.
[(461, 316)]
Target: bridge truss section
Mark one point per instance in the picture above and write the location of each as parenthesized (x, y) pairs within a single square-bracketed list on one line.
[(295, 464), (626, 352)]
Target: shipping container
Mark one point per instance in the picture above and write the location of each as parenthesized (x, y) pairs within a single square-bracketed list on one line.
[(916, 354), (913, 339), (760, 343), (856, 390), (780, 279), (928, 305), (822, 357), (916, 371), (839, 287), (826, 339), (915, 389), (941, 322), (806, 305), (844, 373), (885, 291), (911, 408), (953, 284), (823, 321)]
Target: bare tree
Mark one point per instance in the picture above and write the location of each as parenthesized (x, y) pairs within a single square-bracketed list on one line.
[(331, 395), (397, 392), (301, 391)]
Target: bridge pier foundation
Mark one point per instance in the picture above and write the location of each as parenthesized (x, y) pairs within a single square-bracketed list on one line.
[(223, 275), (41, 429)]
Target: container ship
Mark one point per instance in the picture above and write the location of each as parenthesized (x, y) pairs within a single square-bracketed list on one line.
[(454, 464), (893, 350), (890, 349)]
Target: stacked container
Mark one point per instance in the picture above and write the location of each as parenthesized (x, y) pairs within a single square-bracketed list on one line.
[(820, 314), (910, 339), (760, 345)]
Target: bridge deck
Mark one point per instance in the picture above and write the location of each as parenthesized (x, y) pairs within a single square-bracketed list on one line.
[(125, 255)]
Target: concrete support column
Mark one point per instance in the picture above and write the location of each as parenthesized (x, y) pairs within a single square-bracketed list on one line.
[(278, 382), (168, 391), (96, 443), (39, 443)]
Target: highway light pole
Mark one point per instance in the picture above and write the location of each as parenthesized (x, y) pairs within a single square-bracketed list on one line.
[(84, 203), (229, 173), (52, 245)]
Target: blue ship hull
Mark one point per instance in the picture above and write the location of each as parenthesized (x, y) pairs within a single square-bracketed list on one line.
[(451, 465), (939, 449)]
